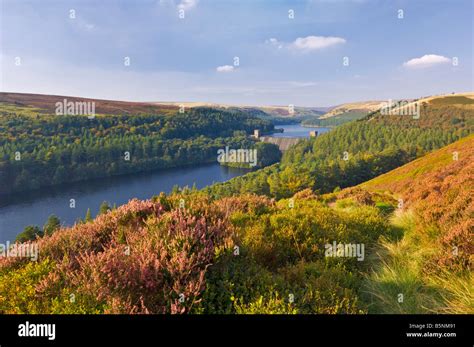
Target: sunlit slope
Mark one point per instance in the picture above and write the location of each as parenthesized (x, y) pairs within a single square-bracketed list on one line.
[(352, 107), (435, 173), (431, 266), (39, 103), (438, 189)]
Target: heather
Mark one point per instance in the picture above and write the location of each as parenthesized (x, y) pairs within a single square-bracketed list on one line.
[(138, 258), (432, 264), (193, 252), (209, 252), (190, 253)]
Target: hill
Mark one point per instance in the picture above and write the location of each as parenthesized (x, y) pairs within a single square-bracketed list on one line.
[(362, 107), (41, 149), (436, 166), (439, 187), (344, 113), (456, 99), (47, 104), (429, 268), (251, 254), (358, 151), (400, 241), (355, 111)]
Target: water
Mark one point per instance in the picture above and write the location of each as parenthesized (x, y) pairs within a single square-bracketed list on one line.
[(34, 208), (296, 130)]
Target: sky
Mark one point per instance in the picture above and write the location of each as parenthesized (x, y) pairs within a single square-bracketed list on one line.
[(247, 52)]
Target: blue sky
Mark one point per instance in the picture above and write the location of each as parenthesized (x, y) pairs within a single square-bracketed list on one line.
[(282, 60)]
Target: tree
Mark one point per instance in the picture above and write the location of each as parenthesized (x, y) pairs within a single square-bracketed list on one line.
[(88, 217), (289, 181), (30, 233), (52, 224), (104, 207), (267, 153)]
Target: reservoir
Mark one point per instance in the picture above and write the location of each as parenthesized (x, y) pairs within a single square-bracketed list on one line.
[(296, 130), (33, 208)]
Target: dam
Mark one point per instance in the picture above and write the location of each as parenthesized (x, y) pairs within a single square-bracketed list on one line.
[(289, 136), (283, 143)]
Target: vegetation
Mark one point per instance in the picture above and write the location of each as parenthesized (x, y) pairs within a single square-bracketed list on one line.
[(30, 233), (52, 224), (33, 232), (234, 255), (264, 154), (333, 121), (251, 254), (286, 239), (432, 264), (355, 152), (42, 150)]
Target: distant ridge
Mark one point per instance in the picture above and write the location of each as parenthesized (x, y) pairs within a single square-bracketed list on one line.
[(46, 103)]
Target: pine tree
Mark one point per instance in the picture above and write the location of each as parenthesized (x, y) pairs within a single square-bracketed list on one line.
[(104, 207), (52, 224), (88, 217)]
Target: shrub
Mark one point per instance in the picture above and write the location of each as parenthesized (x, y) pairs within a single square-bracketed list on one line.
[(270, 304)]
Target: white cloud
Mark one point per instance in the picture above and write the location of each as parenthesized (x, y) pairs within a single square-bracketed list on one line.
[(427, 60), (306, 44), (311, 43), (225, 68), (187, 4), (274, 42)]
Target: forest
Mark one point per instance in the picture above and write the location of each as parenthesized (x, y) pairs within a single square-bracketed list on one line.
[(258, 244), (354, 152), (335, 120), (43, 150), (188, 252)]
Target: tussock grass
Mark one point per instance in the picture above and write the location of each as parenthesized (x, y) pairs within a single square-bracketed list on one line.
[(402, 268), (458, 294)]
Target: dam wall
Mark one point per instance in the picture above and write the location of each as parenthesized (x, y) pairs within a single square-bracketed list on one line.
[(283, 143)]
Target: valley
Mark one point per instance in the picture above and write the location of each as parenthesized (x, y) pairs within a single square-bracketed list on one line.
[(389, 195), (237, 170)]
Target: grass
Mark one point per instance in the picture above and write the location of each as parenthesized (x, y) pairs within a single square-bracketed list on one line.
[(457, 99), (459, 292), (30, 111), (24, 110), (402, 268)]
